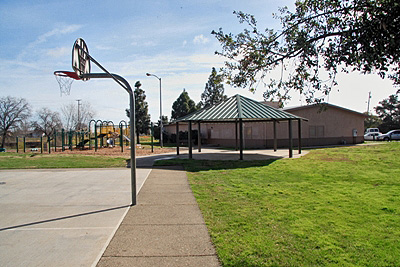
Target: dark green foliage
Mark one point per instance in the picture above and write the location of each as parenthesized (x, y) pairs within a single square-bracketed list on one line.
[(371, 121), (388, 111), (157, 129), (183, 105), (142, 118), (316, 41), (214, 90)]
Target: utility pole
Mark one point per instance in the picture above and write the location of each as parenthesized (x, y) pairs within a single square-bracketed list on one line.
[(369, 98), (79, 122)]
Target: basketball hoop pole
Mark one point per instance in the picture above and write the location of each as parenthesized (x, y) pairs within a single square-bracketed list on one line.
[(124, 83), (81, 65)]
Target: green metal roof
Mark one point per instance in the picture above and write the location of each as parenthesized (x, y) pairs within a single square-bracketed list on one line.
[(238, 107)]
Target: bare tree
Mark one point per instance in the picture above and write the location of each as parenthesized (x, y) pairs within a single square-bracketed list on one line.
[(24, 128), (12, 112), (70, 117), (47, 121)]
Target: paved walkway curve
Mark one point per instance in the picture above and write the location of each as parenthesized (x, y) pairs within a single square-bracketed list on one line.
[(166, 228)]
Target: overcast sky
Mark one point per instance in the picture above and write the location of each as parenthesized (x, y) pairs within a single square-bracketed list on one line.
[(171, 39)]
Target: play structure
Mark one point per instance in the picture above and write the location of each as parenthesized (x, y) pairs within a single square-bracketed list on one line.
[(99, 134), (106, 134)]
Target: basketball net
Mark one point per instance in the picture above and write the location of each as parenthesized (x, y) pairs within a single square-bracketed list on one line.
[(65, 84), (65, 80)]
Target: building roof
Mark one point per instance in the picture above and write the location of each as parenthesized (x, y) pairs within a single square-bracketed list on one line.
[(238, 107), (324, 106)]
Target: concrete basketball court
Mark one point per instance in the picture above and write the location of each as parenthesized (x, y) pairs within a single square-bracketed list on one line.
[(62, 217)]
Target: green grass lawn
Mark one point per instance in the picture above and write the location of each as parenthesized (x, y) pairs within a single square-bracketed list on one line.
[(332, 207), (39, 161)]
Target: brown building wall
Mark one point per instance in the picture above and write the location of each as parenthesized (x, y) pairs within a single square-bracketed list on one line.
[(332, 126)]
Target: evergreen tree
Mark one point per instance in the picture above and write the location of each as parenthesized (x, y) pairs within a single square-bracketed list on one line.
[(157, 129), (214, 91), (183, 106), (142, 118)]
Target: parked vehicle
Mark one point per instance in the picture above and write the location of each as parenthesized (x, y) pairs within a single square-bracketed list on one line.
[(391, 135), (371, 136), (372, 130)]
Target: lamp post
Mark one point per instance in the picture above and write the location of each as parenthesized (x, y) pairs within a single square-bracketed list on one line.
[(161, 122)]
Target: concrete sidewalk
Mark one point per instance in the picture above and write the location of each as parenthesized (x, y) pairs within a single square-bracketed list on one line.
[(166, 228)]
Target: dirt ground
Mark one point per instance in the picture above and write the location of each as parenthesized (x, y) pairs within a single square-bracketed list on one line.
[(108, 151), (116, 151)]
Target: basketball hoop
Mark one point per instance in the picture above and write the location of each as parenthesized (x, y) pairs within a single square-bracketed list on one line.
[(65, 79), (80, 58)]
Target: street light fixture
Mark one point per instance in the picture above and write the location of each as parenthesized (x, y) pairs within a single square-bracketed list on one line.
[(161, 122)]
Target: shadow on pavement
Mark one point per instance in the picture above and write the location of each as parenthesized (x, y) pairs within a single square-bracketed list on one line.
[(63, 218), (193, 165), (206, 159)]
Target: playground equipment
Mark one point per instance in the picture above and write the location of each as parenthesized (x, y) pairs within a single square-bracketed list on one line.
[(70, 140), (107, 130), (58, 140), (94, 138)]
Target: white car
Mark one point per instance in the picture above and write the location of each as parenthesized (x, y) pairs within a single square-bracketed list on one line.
[(371, 136), (391, 135), (372, 130)]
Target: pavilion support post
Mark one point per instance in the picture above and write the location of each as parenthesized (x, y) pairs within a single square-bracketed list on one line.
[(290, 140), (236, 135), (190, 139), (177, 138), (241, 138), (198, 136), (299, 134), (275, 140)]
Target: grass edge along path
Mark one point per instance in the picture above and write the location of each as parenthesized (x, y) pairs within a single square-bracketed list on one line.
[(38, 161), (332, 207)]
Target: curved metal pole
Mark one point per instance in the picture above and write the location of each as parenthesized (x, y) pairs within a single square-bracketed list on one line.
[(113, 130), (90, 141), (96, 141), (129, 90), (112, 123), (104, 123)]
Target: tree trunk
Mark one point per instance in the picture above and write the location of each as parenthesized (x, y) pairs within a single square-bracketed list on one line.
[(3, 139), (137, 137)]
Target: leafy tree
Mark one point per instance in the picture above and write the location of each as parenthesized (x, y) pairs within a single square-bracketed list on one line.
[(142, 118), (388, 111), (214, 90), (47, 122), (371, 121), (315, 42), (183, 105), (13, 111)]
